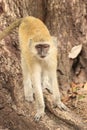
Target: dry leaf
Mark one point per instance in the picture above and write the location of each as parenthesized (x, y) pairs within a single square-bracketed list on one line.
[(85, 86), (58, 129), (75, 51), (85, 121)]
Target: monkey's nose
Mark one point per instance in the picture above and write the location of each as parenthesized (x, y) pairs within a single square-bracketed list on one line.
[(42, 56)]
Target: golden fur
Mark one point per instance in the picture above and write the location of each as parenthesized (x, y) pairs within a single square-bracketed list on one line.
[(36, 71)]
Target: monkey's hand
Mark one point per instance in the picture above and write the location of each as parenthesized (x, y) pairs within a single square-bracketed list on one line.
[(61, 106), (29, 98), (38, 115)]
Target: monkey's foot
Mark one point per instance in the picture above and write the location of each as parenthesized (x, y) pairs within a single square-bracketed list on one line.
[(29, 98), (38, 116), (61, 106)]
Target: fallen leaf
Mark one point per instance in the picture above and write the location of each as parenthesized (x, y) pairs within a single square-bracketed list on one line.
[(85, 86), (85, 121), (81, 97), (75, 51), (58, 129)]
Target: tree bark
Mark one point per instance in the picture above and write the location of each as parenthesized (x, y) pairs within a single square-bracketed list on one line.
[(67, 21)]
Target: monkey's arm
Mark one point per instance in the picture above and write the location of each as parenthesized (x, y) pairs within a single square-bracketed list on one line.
[(56, 93), (12, 26), (36, 81)]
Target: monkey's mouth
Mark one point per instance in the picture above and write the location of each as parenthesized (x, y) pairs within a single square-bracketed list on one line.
[(42, 56)]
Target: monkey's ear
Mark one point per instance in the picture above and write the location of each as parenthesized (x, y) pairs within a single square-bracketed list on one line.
[(30, 42), (55, 41)]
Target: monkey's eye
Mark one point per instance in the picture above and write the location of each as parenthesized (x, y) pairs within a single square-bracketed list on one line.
[(38, 46), (42, 46), (46, 46)]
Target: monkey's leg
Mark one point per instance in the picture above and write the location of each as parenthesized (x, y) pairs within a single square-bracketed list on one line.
[(56, 93), (36, 81), (28, 90), (46, 81)]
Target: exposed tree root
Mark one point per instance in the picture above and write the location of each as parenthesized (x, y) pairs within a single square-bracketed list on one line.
[(67, 116)]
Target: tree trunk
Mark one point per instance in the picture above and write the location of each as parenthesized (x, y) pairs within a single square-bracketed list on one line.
[(67, 21)]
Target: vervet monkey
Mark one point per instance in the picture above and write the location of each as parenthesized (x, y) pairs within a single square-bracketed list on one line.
[(39, 63)]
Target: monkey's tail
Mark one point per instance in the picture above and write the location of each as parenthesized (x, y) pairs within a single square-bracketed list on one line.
[(8, 30)]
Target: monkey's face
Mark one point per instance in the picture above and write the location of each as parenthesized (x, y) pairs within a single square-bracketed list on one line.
[(42, 49)]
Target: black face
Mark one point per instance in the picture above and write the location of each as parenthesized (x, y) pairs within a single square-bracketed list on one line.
[(42, 49)]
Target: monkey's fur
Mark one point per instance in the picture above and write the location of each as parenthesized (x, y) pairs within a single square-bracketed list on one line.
[(39, 63)]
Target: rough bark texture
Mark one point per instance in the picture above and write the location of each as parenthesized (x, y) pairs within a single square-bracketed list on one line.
[(66, 19)]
